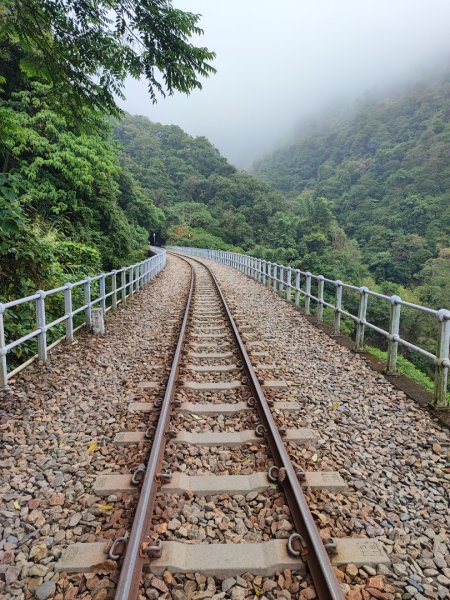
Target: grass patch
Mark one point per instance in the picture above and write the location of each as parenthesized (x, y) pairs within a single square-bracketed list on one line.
[(406, 367)]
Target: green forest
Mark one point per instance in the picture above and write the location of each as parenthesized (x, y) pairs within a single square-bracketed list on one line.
[(361, 196), (384, 171)]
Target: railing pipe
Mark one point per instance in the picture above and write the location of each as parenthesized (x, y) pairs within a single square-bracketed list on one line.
[(320, 286), (394, 330), (289, 285), (443, 363), (123, 285), (3, 363), (297, 287), (102, 288), (42, 326), (87, 301), (281, 282), (114, 290), (308, 294)]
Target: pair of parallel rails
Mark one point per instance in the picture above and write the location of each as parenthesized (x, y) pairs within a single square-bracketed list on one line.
[(305, 546)]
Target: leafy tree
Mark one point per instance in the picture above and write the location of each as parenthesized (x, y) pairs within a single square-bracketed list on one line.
[(192, 214), (87, 49)]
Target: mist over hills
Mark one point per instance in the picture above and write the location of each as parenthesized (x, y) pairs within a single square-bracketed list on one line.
[(385, 171)]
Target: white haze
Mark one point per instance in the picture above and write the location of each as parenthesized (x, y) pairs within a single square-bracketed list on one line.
[(280, 61)]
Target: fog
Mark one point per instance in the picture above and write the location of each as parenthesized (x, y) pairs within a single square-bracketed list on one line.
[(281, 61)]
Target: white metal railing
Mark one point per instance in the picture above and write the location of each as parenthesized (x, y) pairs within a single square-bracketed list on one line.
[(296, 284), (121, 283)]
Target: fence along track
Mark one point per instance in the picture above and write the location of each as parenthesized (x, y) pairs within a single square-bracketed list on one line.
[(289, 281), (306, 545)]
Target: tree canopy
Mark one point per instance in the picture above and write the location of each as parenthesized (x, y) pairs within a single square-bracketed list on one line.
[(87, 49)]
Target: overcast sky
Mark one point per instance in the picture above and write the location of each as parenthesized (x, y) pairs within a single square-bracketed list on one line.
[(281, 60)]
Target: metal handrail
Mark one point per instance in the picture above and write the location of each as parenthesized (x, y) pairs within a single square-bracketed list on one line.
[(296, 285), (132, 279)]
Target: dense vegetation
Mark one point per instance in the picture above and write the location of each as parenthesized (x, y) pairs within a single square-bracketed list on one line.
[(208, 203), (385, 173), (67, 207)]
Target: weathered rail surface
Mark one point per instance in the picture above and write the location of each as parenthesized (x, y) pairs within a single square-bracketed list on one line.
[(206, 314)]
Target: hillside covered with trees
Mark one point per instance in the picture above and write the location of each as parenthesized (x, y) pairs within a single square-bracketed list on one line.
[(207, 202), (67, 207), (384, 171)]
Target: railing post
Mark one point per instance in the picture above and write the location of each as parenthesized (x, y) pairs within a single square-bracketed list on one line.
[(123, 285), (443, 363), (137, 277), (263, 271), (297, 287), (102, 288), (360, 324), (132, 280), (281, 283), (394, 328), (320, 285), (87, 301), (308, 294), (114, 290), (41, 323), (337, 310), (3, 363), (289, 285), (274, 273), (68, 311)]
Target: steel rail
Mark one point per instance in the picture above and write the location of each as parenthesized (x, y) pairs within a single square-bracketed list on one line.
[(314, 551), (135, 558)]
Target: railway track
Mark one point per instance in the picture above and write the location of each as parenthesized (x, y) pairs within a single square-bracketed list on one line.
[(216, 401)]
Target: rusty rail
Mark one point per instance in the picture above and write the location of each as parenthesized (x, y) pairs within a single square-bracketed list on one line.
[(139, 548), (312, 548)]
